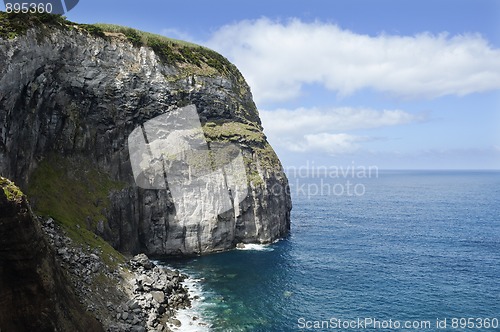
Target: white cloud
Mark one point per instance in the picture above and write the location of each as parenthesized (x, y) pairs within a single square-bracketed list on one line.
[(323, 130), (303, 120), (279, 58), (332, 144)]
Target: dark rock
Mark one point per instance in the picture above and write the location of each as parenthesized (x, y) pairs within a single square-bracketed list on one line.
[(34, 292), (161, 310), (138, 329), (73, 99), (175, 322), (133, 305), (79, 97), (142, 260)]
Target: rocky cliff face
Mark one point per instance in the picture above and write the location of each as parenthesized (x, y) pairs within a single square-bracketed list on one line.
[(35, 294), (70, 96), (48, 282)]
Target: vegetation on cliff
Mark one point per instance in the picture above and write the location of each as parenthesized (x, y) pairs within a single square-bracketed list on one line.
[(15, 24), (35, 290), (11, 191), (189, 57), (76, 195), (233, 132), (84, 112)]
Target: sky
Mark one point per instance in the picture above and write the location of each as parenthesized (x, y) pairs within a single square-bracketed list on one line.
[(393, 84)]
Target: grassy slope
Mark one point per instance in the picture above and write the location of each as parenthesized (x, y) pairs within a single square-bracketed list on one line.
[(190, 58), (75, 194)]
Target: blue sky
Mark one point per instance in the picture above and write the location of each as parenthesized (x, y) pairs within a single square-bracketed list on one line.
[(396, 84)]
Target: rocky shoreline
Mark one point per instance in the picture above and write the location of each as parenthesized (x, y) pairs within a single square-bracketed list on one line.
[(76, 94), (135, 296)]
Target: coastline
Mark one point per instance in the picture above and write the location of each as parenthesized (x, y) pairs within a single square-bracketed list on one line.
[(192, 318), (136, 295), (200, 316), (139, 294)]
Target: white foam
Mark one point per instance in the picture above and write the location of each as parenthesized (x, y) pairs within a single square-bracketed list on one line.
[(256, 247), (191, 318), (278, 240)]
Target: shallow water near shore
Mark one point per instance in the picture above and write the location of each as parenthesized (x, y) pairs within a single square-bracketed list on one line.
[(416, 246)]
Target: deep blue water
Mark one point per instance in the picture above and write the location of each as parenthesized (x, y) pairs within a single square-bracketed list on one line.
[(416, 245)]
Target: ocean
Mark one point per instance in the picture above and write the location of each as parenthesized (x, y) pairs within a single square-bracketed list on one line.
[(392, 251)]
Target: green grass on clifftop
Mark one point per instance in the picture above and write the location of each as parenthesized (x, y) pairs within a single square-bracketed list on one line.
[(138, 37), (188, 57), (13, 25), (75, 194)]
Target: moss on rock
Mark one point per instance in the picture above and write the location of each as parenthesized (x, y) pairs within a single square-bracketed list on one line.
[(11, 191), (76, 194), (233, 132), (188, 57)]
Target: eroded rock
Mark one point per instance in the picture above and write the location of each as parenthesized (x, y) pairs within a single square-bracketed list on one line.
[(70, 97)]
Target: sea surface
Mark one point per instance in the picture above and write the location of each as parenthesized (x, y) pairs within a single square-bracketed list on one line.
[(403, 247)]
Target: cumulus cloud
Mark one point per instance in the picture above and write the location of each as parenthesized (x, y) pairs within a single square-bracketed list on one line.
[(333, 144), (278, 58), (303, 120), (324, 130)]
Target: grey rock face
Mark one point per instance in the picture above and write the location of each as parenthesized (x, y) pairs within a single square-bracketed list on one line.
[(67, 93)]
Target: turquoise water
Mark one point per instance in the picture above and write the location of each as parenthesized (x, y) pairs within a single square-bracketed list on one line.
[(415, 246)]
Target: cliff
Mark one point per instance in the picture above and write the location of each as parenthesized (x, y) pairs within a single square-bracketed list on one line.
[(35, 294), (70, 97), (48, 282)]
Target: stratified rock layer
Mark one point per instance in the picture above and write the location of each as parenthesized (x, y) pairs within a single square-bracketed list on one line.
[(68, 95)]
